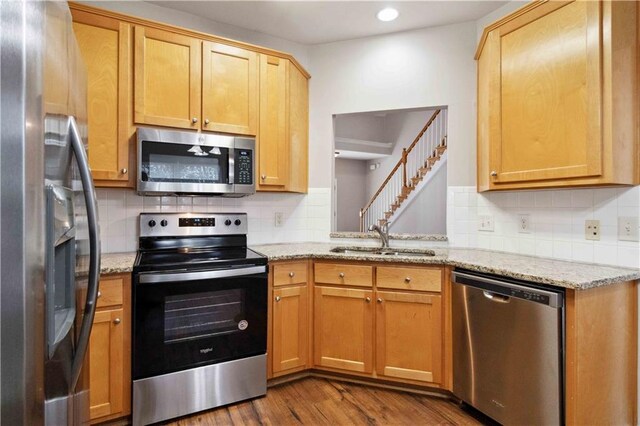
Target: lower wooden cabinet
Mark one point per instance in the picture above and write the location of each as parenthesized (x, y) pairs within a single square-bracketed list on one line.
[(409, 336), (291, 329), (343, 329), (110, 351)]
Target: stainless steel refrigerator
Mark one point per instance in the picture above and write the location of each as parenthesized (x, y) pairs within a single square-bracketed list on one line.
[(49, 237)]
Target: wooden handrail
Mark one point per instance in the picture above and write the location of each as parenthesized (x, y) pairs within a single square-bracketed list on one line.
[(403, 161)]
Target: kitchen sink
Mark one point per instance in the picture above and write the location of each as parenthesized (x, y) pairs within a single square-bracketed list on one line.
[(384, 251)]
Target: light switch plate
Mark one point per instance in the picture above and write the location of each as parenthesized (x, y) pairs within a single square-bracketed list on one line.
[(592, 230), (485, 223), (524, 224), (628, 229)]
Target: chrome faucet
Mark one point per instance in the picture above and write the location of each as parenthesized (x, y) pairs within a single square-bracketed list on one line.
[(383, 231)]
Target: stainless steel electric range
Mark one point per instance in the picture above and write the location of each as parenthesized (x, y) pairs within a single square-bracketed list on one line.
[(199, 315)]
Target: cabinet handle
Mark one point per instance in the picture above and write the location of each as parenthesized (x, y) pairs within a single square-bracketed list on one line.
[(494, 173), (206, 121), (291, 274), (407, 280), (194, 120), (341, 274), (124, 171), (116, 321), (379, 300), (263, 177), (367, 299), (277, 298), (99, 294)]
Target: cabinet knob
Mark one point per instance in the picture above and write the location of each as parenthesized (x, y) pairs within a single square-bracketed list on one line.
[(277, 298), (194, 120), (379, 300), (494, 173), (367, 299), (206, 121), (291, 274), (341, 274), (99, 294), (124, 171), (116, 321), (263, 177), (407, 280)]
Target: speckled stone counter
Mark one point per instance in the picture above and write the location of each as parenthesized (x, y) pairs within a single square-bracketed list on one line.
[(117, 263), (575, 275), (402, 237)]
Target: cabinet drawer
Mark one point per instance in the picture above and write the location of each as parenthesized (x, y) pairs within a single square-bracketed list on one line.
[(423, 279), (289, 273), (356, 275), (110, 292)]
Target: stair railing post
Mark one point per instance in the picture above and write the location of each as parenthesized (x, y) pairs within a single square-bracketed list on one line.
[(404, 168), (361, 220)]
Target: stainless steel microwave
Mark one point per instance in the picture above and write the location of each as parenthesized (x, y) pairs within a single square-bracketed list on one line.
[(174, 162)]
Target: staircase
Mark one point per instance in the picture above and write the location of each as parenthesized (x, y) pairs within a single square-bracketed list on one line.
[(416, 162)]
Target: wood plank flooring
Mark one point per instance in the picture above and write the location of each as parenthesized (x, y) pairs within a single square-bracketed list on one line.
[(317, 401)]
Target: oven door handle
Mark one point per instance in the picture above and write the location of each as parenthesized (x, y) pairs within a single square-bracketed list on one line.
[(148, 278)]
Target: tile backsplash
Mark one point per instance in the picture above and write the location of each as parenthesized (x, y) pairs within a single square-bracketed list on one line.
[(557, 222), (306, 216)]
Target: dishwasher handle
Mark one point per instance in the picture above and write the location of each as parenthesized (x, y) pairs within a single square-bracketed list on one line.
[(507, 290)]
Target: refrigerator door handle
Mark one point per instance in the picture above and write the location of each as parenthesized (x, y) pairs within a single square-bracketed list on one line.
[(94, 250)]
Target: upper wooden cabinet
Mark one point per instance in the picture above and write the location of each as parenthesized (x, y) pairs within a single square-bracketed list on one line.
[(166, 79), (229, 89), (557, 97), (105, 45)]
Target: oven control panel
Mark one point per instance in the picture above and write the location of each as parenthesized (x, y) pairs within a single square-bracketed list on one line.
[(186, 224)]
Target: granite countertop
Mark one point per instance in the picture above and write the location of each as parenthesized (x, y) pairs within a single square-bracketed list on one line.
[(574, 275), (392, 236), (559, 273)]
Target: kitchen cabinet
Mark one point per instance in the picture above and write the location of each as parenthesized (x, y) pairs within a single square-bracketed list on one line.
[(56, 66), (105, 45), (167, 76), (298, 131), (229, 89), (558, 97), (110, 351), (291, 314), (409, 336)]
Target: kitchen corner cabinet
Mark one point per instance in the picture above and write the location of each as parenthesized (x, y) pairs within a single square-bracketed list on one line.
[(558, 96), (110, 351), (105, 45), (291, 314)]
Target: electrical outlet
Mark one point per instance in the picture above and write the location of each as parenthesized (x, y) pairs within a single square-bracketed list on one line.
[(592, 230), (485, 223), (628, 229), (523, 224), (279, 219)]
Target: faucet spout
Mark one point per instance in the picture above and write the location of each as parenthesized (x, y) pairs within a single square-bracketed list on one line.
[(383, 231)]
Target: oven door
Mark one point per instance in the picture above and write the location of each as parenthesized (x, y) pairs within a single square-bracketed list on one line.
[(189, 319)]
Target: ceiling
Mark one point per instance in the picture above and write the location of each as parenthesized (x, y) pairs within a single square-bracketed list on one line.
[(315, 22)]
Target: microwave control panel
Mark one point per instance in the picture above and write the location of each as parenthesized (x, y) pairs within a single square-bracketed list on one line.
[(244, 167)]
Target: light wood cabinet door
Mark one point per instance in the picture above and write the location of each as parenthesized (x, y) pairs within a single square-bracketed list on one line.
[(343, 329), (105, 44), (548, 115), (107, 363), (57, 61), (298, 131), (229, 89), (409, 336), (273, 140), (290, 328), (166, 79)]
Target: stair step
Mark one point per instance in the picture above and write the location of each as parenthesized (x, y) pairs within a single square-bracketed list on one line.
[(382, 222), (387, 215), (424, 170), (415, 180), (441, 149)]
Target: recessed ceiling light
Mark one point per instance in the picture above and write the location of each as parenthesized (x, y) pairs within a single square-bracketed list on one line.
[(387, 14)]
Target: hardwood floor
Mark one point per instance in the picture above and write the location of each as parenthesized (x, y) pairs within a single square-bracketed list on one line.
[(317, 401)]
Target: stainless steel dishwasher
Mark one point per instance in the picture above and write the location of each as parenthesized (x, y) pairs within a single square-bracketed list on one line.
[(508, 348)]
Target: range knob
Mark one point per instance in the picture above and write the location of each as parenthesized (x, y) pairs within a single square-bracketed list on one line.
[(227, 222), (238, 222), (152, 223), (164, 222)]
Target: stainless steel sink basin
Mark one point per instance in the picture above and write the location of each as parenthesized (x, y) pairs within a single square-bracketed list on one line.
[(384, 251)]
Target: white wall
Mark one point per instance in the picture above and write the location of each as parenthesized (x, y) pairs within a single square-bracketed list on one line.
[(367, 127), (427, 212), (426, 67), (351, 176), (142, 9)]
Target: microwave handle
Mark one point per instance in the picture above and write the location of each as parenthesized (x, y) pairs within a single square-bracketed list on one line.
[(232, 166)]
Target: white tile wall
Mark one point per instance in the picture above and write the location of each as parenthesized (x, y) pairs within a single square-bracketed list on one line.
[(556, 220), (307, 217)]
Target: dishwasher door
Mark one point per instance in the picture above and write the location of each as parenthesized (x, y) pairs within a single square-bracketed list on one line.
[(508, 349)]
